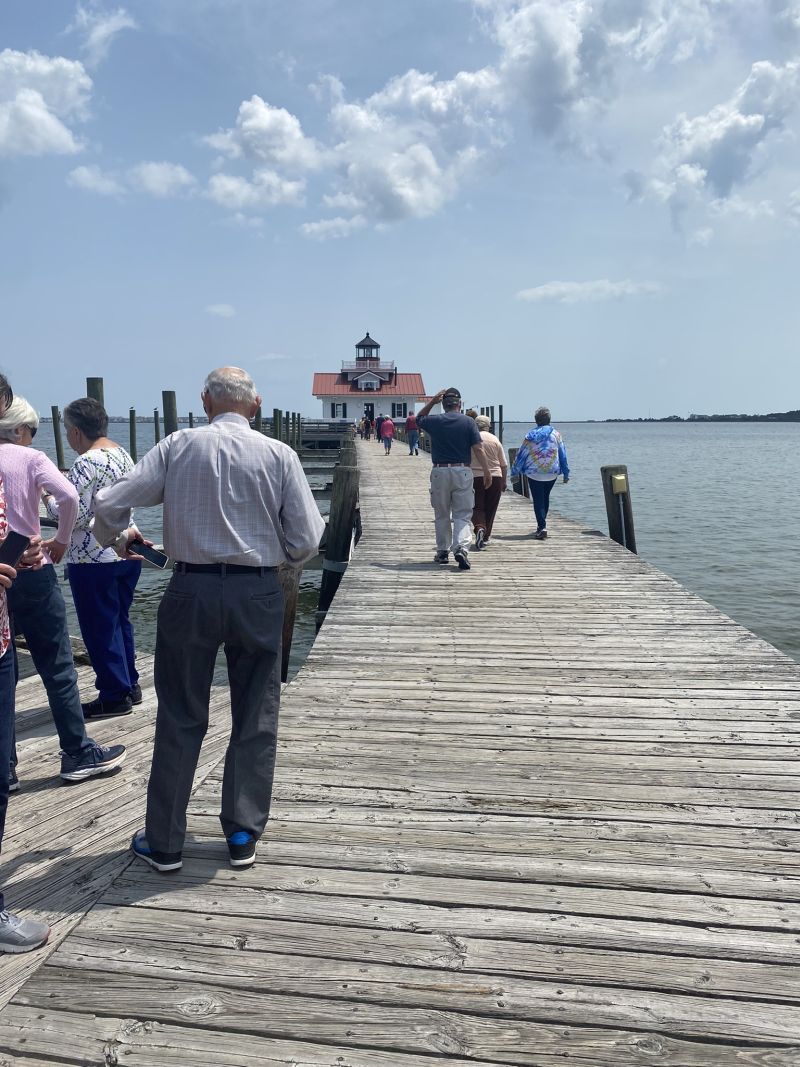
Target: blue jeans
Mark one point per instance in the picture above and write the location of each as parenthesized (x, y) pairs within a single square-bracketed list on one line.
[(540, 491), (413, 440), (387, 444), (102, 594), (38, 612), (7, 684)]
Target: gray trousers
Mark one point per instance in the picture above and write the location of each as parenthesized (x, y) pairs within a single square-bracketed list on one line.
[(452, 499), (198, 614)]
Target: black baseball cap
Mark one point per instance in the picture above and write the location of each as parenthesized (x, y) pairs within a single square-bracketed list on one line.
[(451, 396)]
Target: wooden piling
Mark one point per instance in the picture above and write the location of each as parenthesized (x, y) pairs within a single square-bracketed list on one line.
[(94, 390), (132, 435), (490, 412), (616, 490), (500, 422), (156, 426), (170, 405), (58, 438), (277, 423), (191, 420), (290, 584), (258, 421), (344, 499), (286, 435)]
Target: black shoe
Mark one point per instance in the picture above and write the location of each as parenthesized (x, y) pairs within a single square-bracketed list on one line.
[(541, 535), (242, 849), (107, 709), (90, 762), (13, 781), (441, 557), (136, 694), (160, 861), (461, 559), (480, 539)]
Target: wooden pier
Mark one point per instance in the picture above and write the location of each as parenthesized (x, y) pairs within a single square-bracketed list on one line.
[(544, 812)]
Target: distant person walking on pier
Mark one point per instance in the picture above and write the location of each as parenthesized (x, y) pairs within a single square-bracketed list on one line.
[(36, 601), (542, 458), (412, 434), (488, 500), (236, 505), (455, 441), (367, 428), (387, 435), (102, 584), (378, 425)]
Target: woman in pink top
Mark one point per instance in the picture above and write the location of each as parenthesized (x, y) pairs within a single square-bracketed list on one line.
[(488, 500), (387, 434), (36, 602)]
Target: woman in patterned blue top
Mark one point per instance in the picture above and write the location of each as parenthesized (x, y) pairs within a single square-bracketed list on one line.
[(102, 584)]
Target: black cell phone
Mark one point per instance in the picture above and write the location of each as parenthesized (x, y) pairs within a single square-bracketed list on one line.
[(152, 555), (12, 549)]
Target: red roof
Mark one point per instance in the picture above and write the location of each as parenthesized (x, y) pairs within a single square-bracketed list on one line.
[(326, 384)]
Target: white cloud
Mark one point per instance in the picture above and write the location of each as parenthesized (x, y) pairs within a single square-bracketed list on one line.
[(222, 311), (266, 190), (266, 134), (793, 207), (737, 207), (702, 237), (587, 292), (721, 148), (94, 180), (160, 180), (326, 229), (99, 28), (39, 96)]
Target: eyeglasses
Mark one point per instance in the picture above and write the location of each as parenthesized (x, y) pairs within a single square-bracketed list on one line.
[(33, 430)]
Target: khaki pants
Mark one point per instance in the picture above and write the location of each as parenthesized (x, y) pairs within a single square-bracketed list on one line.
[(452, 500)]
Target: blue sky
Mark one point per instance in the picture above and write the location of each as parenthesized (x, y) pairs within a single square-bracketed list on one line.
[(590, 205)]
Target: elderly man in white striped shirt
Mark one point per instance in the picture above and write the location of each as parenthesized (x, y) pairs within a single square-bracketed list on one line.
[(236, 506)]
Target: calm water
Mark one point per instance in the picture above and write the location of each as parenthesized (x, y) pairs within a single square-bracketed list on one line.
[(716, 506)]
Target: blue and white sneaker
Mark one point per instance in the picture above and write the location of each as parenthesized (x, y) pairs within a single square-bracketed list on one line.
[(161, 861), (90, 762), (242, 849)]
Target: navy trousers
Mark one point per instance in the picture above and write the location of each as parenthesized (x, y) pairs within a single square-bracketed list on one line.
[(7, 684), (103, 594), (540, 491)]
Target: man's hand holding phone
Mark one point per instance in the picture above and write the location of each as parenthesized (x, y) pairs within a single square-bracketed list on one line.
[(133, 546)]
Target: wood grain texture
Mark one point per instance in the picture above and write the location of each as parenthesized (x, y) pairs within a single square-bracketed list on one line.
[(543, 812)]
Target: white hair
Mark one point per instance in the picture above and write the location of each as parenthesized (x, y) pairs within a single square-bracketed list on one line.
[(483, 421), (230, 383), (18, 413)]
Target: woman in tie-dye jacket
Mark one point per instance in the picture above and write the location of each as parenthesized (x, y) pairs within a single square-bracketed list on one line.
[(542, 458)]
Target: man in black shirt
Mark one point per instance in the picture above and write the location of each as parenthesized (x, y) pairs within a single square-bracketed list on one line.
[(454, 440)]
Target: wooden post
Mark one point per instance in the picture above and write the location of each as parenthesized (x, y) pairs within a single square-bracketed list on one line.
[(276, 423), (491, 417), (58, 438), (132, 435), (286, 435), (94, 390), (290, 584), (170, 405), (297, 431), (191, 420), (617, 493), (257, 420), (344, 500), (516, 479), (500, 422), (156, 426)]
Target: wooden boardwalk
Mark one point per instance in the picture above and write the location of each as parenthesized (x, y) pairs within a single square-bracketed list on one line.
[(545, 812)]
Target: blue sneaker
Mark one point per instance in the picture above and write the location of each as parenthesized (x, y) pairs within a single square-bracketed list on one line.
[(90, 762), (162, 861), (242, 849)]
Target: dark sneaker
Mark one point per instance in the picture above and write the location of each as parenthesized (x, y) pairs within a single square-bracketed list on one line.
[(90, 762), (13, 781), (480, 539), (242, 849), (462, 560), (161, 861), (441, 557), (21, 935), (136, 694), (541, 535), (107, 709)]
